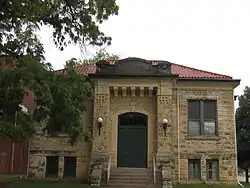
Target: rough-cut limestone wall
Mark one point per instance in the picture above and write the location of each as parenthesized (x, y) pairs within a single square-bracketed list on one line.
[(42, 146), (166, 109), (221, 147), (120, 105)]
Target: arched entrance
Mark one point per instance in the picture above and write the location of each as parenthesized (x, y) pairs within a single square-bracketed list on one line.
[(132, 140)]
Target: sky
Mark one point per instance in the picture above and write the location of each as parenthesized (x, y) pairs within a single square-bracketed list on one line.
[(212, 35)]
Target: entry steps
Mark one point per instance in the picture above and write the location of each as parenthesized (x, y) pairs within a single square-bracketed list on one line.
[(133, 178)]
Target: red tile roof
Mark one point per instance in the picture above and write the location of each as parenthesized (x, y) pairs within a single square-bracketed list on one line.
[(188, 72), (184, 72)]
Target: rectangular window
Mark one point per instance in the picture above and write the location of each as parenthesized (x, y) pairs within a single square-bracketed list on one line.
[(212, 169), (52, 163), (69, 167), (194, 169), (202, 116)]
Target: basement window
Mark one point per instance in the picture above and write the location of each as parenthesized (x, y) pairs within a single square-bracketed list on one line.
[(212, 169), (70, 167), (194, 169), (52, 163)]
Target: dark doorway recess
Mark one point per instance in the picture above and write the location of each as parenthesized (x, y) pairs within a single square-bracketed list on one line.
[(52, 166), (69, 167), (132, 140)]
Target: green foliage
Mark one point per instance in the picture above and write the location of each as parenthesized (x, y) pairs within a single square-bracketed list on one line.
[(42, 184), (102, 54), (60, 99), (70, 94), (243, 129), (74, 21)]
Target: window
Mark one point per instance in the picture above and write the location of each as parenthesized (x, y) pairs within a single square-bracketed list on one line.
[(212, 169), (69, 167), (52, 166), (194, 169), (202, 118)]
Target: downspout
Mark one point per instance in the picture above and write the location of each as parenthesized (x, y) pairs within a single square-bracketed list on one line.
[(178, 135), (235, 139)]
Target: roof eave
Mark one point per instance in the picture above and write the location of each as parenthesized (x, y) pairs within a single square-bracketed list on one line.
[(103, 76), (235, 82)]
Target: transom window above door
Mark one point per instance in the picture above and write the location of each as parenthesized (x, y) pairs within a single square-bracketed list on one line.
[(133, 118), (202, 118)]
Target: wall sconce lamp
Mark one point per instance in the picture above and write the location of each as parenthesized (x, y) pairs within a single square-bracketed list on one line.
[(99, 124), (165, 124)]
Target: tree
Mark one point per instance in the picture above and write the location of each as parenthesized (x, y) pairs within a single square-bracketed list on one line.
[(74, 21), (243, 131), (102, 54), (70, 92), (60, 98)]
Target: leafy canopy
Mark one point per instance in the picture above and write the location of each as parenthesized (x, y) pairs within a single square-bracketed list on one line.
[(243, 129), (60, 98), (74, 21), (102, 54)]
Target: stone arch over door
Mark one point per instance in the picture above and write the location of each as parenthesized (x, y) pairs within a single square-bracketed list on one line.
[(151, 134)]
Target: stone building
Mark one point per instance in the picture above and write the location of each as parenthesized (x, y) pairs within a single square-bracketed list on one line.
[(172, 119)]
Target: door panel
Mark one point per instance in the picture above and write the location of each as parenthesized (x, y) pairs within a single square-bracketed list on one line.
[(132, 146)]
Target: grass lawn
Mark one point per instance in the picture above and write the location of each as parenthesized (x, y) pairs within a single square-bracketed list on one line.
[(73, 184), (9, 177), (210, 186), (44, 184), (48, 184)]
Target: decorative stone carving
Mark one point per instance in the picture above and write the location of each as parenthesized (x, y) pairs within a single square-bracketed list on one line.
[(165, 101), (100, 101), (132, 105)]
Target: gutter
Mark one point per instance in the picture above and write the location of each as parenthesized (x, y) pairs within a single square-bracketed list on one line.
[(210, 80), (178, 135)]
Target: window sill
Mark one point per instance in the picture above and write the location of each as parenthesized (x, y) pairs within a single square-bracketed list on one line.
[(202, 138)]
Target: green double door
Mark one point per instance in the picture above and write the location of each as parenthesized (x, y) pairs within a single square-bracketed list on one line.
[(132, 140)]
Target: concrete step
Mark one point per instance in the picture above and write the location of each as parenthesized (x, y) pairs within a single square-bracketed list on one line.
[(131, 186), (130, 174), (133, 181), (132, 177), (129, 171)]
